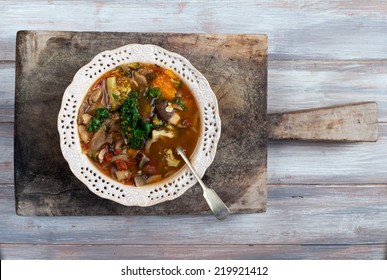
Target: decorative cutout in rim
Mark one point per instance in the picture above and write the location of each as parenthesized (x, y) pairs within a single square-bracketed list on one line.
[(108, 188)]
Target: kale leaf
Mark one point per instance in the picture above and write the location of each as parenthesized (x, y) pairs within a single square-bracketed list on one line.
[(96, 122), (135, 129)]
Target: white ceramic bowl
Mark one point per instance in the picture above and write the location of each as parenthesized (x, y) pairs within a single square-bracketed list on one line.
[(106, 187)]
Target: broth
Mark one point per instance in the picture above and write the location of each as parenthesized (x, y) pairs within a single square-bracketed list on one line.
[(133, 118)]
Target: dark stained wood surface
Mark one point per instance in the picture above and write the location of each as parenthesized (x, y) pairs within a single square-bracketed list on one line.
[(45, 65)]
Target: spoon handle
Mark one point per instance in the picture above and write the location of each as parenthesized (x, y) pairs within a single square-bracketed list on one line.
[(217, 206)]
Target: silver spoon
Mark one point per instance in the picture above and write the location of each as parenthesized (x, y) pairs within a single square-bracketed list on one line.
[(218, 208)]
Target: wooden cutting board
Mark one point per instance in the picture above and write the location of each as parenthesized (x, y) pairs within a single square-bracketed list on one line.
[(46, 61)]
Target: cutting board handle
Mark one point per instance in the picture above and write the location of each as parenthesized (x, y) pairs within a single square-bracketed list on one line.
[(347, 123)]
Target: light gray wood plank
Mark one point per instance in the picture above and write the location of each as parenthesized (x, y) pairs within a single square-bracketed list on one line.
[(297, 29), (7, 91), (192, 252), (344, 123), (6, 153), (289, 162), (296, 215), (292, 85), (297, 162), (299, 85)]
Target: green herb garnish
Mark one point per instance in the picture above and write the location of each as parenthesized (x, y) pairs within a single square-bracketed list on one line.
[(133, 126), (96, 122), (181, 103), (155, 93)]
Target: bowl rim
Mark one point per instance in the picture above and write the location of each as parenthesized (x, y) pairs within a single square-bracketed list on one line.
[(108, 188)]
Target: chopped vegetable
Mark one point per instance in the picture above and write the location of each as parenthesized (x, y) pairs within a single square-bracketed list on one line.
[(101, 115), (150, 169), (118, 69), (169, 108), (156, 121), (150, 76), (156, 134), (96, 94), (86, 118), (134, 128), (118, 92), (101, 155), (134, 65), (177, 83), (166, 84), (174, 119), (181, 103), (85, 136), (121, 164), (108, 157), (171, 74), (100, 138), (139, 180), (170, 159), (154, 93), (122, 175), (163, 110)]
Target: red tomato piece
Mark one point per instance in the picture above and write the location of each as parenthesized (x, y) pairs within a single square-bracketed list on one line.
[(131, 162), (108, 157), (121, 164)]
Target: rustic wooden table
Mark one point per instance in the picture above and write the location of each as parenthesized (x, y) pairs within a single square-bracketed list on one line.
[(325, 200)]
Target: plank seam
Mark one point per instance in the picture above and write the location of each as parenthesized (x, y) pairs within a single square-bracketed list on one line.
[(366, 185), (204, 245), (287, 60)]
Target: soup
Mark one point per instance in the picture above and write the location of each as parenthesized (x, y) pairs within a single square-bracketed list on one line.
[(132, 120)]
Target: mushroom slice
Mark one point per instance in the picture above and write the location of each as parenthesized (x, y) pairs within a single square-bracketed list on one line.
[(96, 94), (164, 110), (142, 159), (122, 175), (86, 118), (139, 180), (85, 136)]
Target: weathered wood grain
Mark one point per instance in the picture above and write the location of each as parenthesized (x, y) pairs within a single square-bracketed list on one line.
[(193, 252), (42, 57), (6, 152), (7, 91), (313, 85), (326, 32), (296, 215), (298, 29), (298, 85), (345, 123), (297, 162), (289, 162)]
